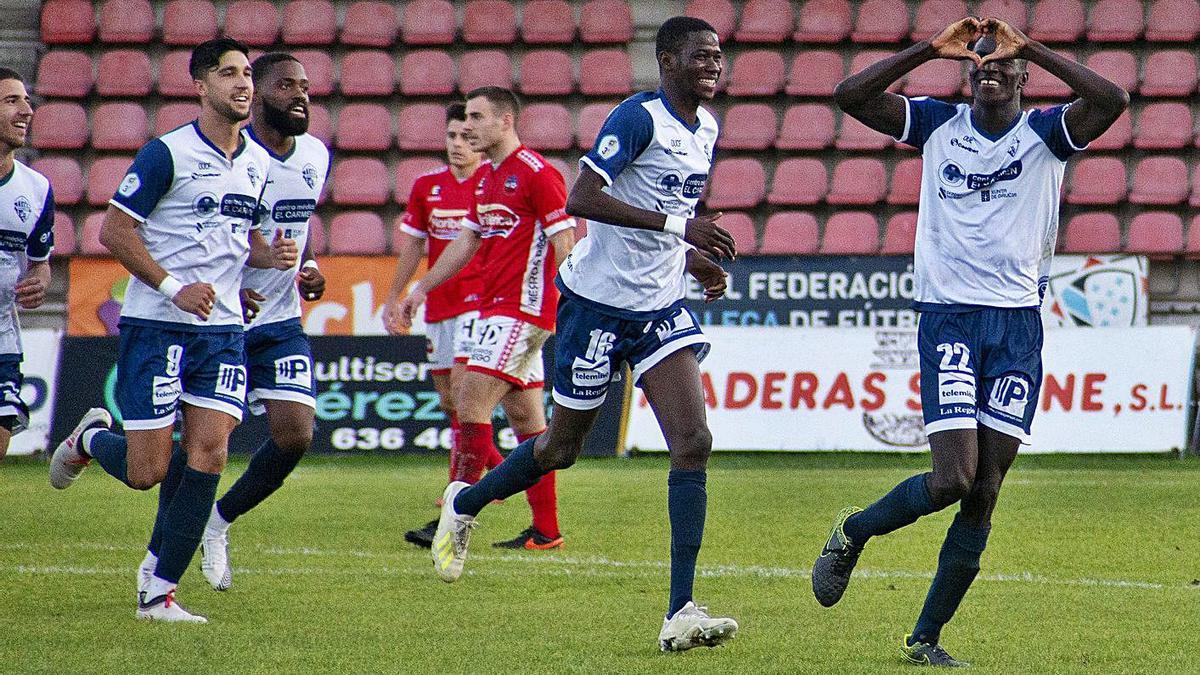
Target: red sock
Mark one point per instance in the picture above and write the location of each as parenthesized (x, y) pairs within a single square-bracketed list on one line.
[(474, 445), (453, 444), (543, 500)]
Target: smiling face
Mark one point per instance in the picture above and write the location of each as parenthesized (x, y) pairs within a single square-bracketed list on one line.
[(15, 113), (282, 99), (997, 82), (696, 67), (228, 88)]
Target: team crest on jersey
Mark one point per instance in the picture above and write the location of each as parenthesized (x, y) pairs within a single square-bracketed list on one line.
[(309, 173), (23, 208), (510, 184), (1014, 146), (252, 174)]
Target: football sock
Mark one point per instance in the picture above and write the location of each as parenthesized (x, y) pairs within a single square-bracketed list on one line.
[(687, 502), (494, 457), (474, 445), (109, 450), (516, 473), (453, 445), (902, 506), (269, 466), (157, 588), (166, 493), (958, 563), (185, 522)]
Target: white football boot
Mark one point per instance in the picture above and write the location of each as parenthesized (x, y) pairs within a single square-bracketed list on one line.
[(453, 534), (693, 627), (69, 460), (164, 608), (214, 553)]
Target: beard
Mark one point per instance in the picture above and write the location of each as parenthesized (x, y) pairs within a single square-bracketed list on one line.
[(225, 110), (279, 120)]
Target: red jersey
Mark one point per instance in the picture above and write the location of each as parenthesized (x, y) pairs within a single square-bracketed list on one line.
[(436, 206), (518, 206)]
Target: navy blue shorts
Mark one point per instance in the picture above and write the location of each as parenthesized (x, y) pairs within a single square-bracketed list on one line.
[(159, 365), (591, 346), (279, 359), (981, 367), (11, 404)]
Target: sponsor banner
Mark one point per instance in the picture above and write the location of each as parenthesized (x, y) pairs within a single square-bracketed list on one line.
[(1105, 291), (40, 369), (859, 389)]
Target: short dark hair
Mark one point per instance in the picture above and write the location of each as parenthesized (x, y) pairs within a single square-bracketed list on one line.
[(10, 74), (675, 31), (502, 98), (263, 64), (207, 55), (456, 111)]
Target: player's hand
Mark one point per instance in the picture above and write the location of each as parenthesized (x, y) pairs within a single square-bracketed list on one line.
[(710, 275), (250, 299), (284, 252), (704, 233), (408, 309), (954, 42), (391, 316), (197, 298), (31, 292), (1010, 42), (312, 283)]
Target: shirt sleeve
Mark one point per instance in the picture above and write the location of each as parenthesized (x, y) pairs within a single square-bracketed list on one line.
[(414, 221), (148, 179), (1051, 126), (626, 134), (471, 220), (548, 198), (41, 239), (923, 115)]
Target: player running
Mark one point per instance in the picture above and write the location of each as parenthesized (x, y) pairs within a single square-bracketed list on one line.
[(27, 220), (518, 223), (438, 202), (986, 230), (622, 300), (182, 222)]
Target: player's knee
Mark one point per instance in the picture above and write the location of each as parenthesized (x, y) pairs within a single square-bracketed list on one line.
[(948, 487), (986, 491), (294, 440), (556, 455), (144, 478), (691, 449)]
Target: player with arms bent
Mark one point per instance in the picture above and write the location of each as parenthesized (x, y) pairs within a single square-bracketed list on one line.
[(986, 230)]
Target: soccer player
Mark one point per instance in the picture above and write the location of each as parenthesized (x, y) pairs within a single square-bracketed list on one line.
[(622, 300), (438, 202), (986, 230), (26, 219), (182, 222), (518, 223)]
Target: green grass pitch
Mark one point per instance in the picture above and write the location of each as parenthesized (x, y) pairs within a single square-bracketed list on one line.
[(1092, 567)]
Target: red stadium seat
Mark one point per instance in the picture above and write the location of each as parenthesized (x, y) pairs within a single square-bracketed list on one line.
[(319, 124), (364, 127), (1044, 85), (360, 181), (749, 126), (429, 22), (490, 22), (1169, 73), (606, 72), (1155, 233), (861, 180), (1015, 12), (370, 23), (881, 21), (718, 13), (104, 175), (546, 22), (68, 22), (798, 180), (736, 184), (409, 170), (254, 22), (1164, 126), (318, 241), (757, 73), (65, 74), (65, 176), (741, 226), (1118, 136), (421, 126), (488, 67), (900, 234), (1098, 180), (423, 72), (119, 126), (124, 72), (318, 68), (546, 72), (189, 22), (906, 182), (59, 126), (825, 21), (1092, 233), (89, 236), (605, 21), (1118, 66), (934, 15), (567, 171), (1173, 21), (1057, 21), (789, 233), (1160, 180), (174, 115), (850, 233), (64, 233), (855, 135), (546, 127), (373, 73), (309, 22), (1116, 21), (591, 118), (808, 126), (765, 21), (357, 233), (938, 78), (174, 80), (1192, 247), (126, 21), (815, 73)]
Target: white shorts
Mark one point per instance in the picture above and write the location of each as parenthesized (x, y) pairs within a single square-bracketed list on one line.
[(451, 341), (511, 350)]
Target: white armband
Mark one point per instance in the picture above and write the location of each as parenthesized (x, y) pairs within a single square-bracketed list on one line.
[(676, 225), (170, 287)]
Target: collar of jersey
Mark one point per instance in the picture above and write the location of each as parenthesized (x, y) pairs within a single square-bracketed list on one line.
[(240, 148), (667, 104), (281, 158), (12, 172), (993, 138)]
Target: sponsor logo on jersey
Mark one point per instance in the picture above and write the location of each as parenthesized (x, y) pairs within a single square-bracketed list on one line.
[(956, 388), (129, 185), (951, 173), (166, 390), (205, 204), (977, 181), (693, 186), (293, 210), (674, 326), (231, 381), (1010, 395), (996, 193), (294, 371), (23, 208), (309, 174), (239, 206), (496, 220), (965, 144), (943, 193), (669, 183), (13, 240), (608, 147), (586, 373)]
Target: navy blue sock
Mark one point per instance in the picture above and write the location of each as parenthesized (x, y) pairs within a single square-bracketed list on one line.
[(269, 466), (109, 450), (166, 493), (185, 522), (902, 506), (958, 563), (515, 474), (687, 503)]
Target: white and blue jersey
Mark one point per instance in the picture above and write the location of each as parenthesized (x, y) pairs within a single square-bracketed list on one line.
[(26, 235), (652, 159)]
